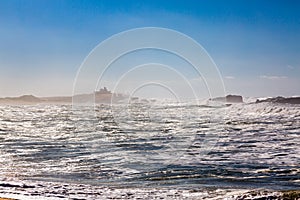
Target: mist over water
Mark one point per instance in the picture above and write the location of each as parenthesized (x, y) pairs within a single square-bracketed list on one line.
[(108, 100)]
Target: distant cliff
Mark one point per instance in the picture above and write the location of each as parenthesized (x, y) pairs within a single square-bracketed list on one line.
[(229, 99), (25, 99), (289, 100)]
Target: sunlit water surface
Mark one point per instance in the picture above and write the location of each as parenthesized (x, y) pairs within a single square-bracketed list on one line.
[(150, 150)]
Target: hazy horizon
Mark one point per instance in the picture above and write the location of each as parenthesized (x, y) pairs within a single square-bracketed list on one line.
[(255, 45)]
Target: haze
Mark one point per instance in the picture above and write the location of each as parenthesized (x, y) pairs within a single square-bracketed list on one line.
[(255, 44)]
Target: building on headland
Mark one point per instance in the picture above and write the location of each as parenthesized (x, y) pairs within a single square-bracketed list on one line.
[(103, 90), (103, 95)]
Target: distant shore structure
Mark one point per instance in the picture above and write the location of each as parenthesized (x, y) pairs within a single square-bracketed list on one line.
[(103, 90), (104, 95), (229, 99), (279, 99)]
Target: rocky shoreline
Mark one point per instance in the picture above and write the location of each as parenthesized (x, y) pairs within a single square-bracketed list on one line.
[(289, 100), (268, 195)]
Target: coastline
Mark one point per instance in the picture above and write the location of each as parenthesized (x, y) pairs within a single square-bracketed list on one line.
[(108, 97)]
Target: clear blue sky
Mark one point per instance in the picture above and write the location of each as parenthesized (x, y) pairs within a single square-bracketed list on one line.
[(255, 44)]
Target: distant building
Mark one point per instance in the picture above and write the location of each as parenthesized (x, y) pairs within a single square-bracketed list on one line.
[(103, 90)]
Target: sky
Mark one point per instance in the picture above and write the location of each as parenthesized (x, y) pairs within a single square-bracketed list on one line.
[(255, 44)]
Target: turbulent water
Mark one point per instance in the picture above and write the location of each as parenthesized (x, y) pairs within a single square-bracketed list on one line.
[(148, 151)]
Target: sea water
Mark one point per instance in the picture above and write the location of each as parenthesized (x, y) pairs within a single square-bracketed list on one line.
[(148, 150)]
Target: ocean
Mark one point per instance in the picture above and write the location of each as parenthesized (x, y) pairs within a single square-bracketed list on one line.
[(149, 150)]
